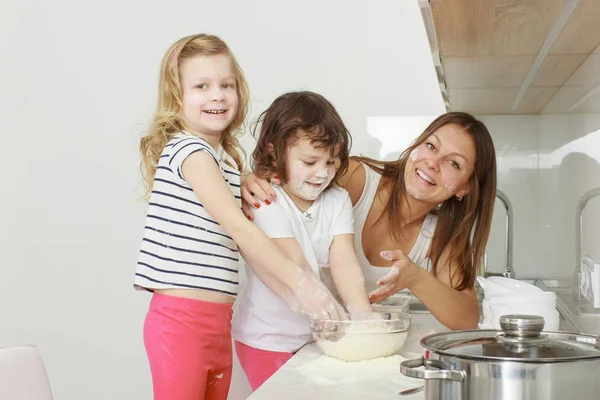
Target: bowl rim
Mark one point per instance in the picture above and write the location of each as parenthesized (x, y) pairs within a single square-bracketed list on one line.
[(404, 318), (406, 297), (512, 284)]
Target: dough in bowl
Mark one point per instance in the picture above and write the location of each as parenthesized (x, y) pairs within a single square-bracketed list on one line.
[(364, 342)]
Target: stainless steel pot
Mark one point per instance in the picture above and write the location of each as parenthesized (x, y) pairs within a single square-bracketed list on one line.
[(518, 362)]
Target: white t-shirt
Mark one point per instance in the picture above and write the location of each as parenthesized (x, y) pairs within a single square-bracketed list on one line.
[(261, 319)]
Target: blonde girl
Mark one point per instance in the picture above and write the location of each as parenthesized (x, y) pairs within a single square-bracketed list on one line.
[(189, 253)]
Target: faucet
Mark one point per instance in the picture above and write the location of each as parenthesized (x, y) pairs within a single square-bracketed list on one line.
[(509, 272), (587, 196)]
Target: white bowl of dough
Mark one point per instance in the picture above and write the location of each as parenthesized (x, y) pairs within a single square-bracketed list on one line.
[(361, 340)]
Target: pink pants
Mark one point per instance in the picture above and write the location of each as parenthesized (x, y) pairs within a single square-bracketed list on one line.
[(259, 365), (188, 343)]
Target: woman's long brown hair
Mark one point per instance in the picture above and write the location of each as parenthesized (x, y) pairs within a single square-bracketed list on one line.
[(463, 227)]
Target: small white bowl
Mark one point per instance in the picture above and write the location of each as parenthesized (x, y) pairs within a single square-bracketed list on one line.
[(542, 300), (496, 285), (513, 285)]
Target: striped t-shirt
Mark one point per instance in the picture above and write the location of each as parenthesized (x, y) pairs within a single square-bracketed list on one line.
[(183, 246)]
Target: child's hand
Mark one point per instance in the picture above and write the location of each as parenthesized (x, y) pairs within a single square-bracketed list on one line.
[(312, 298), (363, 313), (255, 190), (366, 316)]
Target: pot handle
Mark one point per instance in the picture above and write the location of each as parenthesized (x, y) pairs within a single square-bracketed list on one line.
[(408, 368)]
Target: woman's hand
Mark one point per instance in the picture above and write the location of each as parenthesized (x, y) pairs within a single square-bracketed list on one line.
[(402, 275), (455, 309), (254, 191)]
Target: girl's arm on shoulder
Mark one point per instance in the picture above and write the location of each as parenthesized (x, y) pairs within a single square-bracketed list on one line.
[(353, 180)]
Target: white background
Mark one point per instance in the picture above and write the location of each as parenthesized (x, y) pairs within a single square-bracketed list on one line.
[(78, 85)]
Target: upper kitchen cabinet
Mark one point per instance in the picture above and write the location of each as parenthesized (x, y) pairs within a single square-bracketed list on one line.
[(516, 57)]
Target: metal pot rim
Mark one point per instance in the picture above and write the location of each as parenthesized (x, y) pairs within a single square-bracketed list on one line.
[(494, 334)]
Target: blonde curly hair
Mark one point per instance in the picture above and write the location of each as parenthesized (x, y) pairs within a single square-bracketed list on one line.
[(168, 119)]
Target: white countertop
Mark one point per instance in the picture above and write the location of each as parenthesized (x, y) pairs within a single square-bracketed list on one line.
[(310, 374)]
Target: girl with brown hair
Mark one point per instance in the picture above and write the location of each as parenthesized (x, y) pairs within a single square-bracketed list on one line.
[(304, 141)]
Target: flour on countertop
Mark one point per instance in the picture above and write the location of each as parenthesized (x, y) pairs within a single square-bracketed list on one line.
[(310, 373), (325, 370)]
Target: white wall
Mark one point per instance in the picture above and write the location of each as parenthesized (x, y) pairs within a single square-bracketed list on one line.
[(77, 88), (545, 164), (516, 143), (569, 167)]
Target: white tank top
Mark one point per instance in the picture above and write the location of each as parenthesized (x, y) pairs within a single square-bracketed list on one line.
[(418, 254)]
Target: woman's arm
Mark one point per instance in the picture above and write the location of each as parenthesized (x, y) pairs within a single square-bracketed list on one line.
[(276, 271), (348, 276), (455, 309)]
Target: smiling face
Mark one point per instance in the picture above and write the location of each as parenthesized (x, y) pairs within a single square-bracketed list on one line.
[(210, 100), (310, 169), (441, 166)]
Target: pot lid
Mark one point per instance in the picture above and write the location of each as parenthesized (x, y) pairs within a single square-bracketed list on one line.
[(520, 339)]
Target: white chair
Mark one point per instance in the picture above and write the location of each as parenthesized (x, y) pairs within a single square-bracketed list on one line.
[(22, 374)]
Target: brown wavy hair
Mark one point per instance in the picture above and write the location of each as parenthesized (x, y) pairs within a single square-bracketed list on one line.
[(168, 119), (291, 114), (463, 227)]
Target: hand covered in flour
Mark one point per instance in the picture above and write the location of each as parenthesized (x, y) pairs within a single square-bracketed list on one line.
[(312, 298), (366, 316), (363, 313), (402, 275), (255, 190)]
